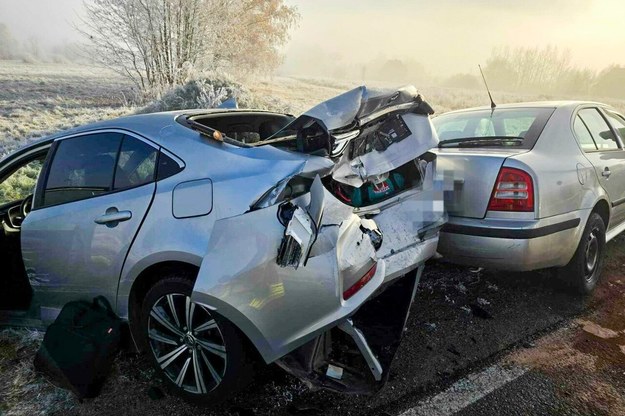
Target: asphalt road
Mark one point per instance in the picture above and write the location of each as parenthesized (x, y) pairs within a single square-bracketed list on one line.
[(519, 342)]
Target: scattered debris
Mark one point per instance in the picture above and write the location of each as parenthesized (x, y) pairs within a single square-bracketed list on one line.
[(480, 312), (466, 309), (493, 287), (482, 302), (598, 330), (430, 326), (461, 288), (528, 344)]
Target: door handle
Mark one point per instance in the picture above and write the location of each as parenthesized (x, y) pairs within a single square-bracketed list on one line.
[(112, 217), (606, 172)]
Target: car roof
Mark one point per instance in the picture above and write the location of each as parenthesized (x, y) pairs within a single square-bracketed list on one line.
[(157, 127), (570, 104)]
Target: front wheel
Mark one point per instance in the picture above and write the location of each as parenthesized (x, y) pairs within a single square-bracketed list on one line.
[(584, 269), (200, 355)]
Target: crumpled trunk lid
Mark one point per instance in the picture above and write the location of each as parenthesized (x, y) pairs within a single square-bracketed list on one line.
[(366, 133)]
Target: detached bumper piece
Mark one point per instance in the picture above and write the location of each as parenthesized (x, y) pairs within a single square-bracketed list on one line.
[(355, 357)]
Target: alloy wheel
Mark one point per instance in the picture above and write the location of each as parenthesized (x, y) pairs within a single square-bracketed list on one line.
[(187, 343), (591, 256)]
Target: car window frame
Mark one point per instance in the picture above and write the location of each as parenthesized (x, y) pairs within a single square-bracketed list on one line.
[(615, 131), (21, 158), (600, 110), (45, 171)]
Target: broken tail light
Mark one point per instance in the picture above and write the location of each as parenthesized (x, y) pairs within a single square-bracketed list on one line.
[(353, 289), (513, 191)]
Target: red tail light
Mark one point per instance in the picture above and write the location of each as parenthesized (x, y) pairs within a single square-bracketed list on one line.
[(360, 283), (513, 191)]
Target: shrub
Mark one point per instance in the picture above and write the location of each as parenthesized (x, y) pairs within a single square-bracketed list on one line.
[(210, 93)]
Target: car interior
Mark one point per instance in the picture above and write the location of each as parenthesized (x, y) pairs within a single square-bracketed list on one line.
[(249, 128), (16, 191), (257, 127)]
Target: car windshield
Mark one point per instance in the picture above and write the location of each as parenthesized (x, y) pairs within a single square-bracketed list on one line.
[(503, 127)]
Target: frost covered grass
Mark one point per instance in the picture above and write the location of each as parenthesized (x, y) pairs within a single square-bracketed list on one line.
[(36, 99), (22, 390)]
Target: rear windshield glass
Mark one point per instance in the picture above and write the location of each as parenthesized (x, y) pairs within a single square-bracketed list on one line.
[(504, 127)]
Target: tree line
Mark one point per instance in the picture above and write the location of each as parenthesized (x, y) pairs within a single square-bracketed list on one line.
[(547, 70)]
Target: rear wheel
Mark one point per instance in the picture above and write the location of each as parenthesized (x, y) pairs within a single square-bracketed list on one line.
[(199, 354), (584, 270)]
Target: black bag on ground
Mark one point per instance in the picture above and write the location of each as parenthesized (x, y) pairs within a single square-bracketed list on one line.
[(79, 347)]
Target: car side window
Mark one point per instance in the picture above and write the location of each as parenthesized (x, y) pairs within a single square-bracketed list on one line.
[(82, 167), (617, 122), (599, 129), (583, 135), (21, 183), (136, 164), (166, 167)]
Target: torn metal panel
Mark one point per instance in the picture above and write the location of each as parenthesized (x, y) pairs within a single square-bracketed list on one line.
[(356, 356), (242, 279), (301, 227), (366, 163), (367, 133), (299, 235)]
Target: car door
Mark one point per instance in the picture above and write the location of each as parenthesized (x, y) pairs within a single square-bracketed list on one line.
[(605, 151), (90, 201)]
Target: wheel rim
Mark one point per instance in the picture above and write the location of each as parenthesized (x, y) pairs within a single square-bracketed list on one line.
[(187, 343), (591, 254)]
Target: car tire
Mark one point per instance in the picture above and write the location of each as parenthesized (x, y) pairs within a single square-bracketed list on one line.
[(582, 273), (203, 363)]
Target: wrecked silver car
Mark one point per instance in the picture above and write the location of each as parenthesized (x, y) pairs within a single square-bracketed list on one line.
[(227, 235)]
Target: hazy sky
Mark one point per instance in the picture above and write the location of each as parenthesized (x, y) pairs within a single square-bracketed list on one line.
[(446, 36), (450, 36)]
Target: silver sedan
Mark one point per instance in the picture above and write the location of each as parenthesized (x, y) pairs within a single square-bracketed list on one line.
[(533, 185), (224, 236)]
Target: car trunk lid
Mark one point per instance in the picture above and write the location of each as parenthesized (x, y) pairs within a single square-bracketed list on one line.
[(469, 177)]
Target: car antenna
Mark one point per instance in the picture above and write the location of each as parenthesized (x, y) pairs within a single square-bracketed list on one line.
[(492, 103)]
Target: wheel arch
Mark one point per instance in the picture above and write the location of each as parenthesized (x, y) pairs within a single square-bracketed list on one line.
[(603, 209), (154, 273), (142, 284)]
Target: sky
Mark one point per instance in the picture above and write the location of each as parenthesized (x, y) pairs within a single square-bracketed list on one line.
[(445, 36), (449, 36)]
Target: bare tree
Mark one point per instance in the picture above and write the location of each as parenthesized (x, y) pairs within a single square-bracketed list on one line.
[(155, 43), (529, 69)]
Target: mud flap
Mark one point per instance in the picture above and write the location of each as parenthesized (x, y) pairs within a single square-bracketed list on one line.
[(356, 356)]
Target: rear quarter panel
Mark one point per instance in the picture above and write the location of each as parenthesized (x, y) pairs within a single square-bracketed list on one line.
[(564, 179)]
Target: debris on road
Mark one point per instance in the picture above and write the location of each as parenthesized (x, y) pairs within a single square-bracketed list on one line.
[(482, 302), (480, 312)]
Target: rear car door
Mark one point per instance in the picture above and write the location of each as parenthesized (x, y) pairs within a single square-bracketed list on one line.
[(94, 192), (604, 150)]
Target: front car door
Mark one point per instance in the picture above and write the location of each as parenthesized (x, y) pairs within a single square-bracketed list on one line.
[(95, 190), (605, 151)]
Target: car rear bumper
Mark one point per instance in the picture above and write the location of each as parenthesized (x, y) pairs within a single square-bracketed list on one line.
[(516, 245)]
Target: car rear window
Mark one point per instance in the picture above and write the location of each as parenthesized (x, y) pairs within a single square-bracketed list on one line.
[(503, 127)]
